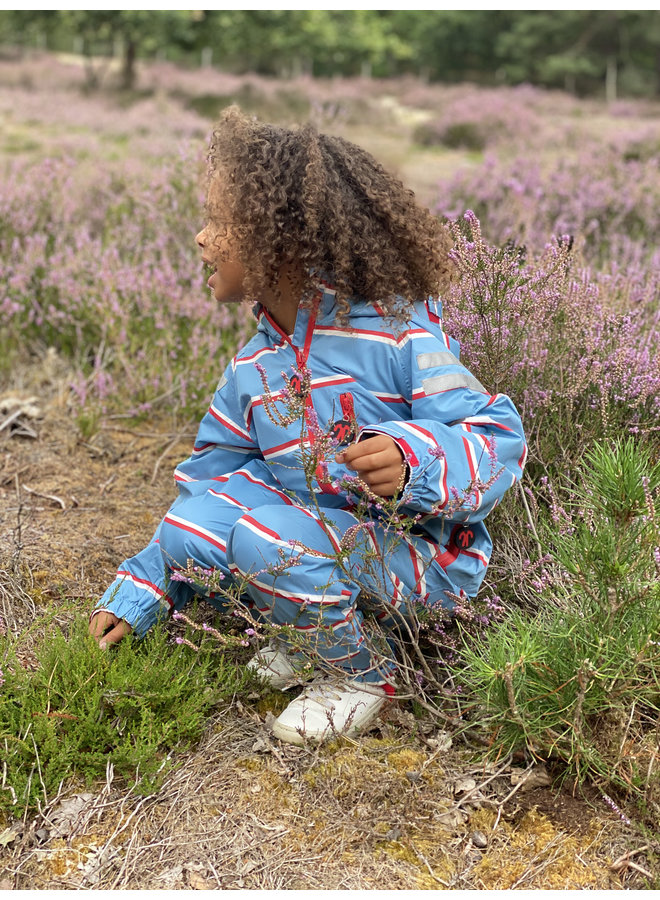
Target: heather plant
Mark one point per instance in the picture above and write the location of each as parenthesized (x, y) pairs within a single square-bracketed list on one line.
[(539, 329), (607, 200), (481, 119), (101, 267), (580, 680), (135, 708)]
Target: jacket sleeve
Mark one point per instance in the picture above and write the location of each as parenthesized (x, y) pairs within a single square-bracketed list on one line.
[(464, 447), (224, 442)]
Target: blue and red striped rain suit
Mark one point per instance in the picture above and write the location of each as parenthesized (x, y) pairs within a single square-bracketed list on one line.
[(244, 502)]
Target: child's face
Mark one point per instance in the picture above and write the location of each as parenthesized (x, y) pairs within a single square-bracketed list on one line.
[(219, 252)]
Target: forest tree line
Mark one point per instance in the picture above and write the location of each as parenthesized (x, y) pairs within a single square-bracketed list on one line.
[(609, 52)]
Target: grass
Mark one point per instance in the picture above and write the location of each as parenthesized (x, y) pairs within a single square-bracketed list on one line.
[(135, 707)]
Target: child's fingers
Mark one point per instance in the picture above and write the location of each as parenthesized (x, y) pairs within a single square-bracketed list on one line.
[(374, 453), (108, 622), (100, 623), (118, 632)]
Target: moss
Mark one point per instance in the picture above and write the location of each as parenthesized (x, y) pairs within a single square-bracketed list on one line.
[(536, 854), (406, 760)]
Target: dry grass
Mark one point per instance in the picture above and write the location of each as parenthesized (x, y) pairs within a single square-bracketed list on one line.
[(245, 812)]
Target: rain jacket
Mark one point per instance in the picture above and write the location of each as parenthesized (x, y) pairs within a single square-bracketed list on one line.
[(464, 447)]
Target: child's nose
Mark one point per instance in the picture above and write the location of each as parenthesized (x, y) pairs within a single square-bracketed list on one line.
[(200, 239)]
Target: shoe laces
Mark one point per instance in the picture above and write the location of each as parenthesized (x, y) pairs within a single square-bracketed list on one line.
[(323, 693)]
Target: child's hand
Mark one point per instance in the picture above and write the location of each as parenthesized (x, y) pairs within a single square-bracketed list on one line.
[(107, 621), (378, 461)]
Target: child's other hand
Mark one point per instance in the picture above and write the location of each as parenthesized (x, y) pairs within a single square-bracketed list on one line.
[(107, 621), (378, 461)]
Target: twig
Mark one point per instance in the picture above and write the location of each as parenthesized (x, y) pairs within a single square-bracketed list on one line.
[(632, 865), (517, 787), (529, 518), (106, 484), (175, 440), (11, 418), (624, 859), (423, 859), (52, 497)]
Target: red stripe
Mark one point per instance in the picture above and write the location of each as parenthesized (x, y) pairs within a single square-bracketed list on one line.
[(187, 527), (271, 450), (230, 425), (256, 482), (261, 528), (468, 448), (142, 581), (449, 556), (410, 456), (422, 431), (242, 359)]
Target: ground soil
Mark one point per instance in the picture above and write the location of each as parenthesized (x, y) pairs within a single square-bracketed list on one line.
[(404, 807)]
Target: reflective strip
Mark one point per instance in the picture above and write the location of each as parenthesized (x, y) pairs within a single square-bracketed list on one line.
[(442, 358), (440, 383)]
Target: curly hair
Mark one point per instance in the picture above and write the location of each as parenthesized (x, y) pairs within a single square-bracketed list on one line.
[(323, 204)]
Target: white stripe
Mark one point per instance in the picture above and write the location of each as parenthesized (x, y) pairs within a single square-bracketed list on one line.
[(254, 480), (357, 336), (255, 356), (144, 587), (214, 537), (385, 397), (229, 500), (428, 439), (229, 422), (482, 420), (320, 599), (287, 448)]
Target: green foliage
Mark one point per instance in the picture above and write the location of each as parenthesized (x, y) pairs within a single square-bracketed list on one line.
[(457, 135), (581, 680), (564, 48), (136, 706)]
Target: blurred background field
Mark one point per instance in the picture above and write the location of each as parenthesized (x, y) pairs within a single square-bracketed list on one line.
[(545, 125)]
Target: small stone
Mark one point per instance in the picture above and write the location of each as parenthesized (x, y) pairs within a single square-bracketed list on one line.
[(464, 786), (479, 840), (413, 777), (441, 741), (42, 834)]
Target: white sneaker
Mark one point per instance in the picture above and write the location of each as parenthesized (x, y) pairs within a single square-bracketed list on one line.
[(276, 666), (325, 709)]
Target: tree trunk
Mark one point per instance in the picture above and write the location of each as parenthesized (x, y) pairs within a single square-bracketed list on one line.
[(128, 70), (610, 79)]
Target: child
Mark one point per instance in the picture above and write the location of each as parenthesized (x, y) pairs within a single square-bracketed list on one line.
[(345, 271)]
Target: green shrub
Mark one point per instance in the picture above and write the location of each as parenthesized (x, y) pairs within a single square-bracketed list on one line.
[(581, 679), (135, 706)]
